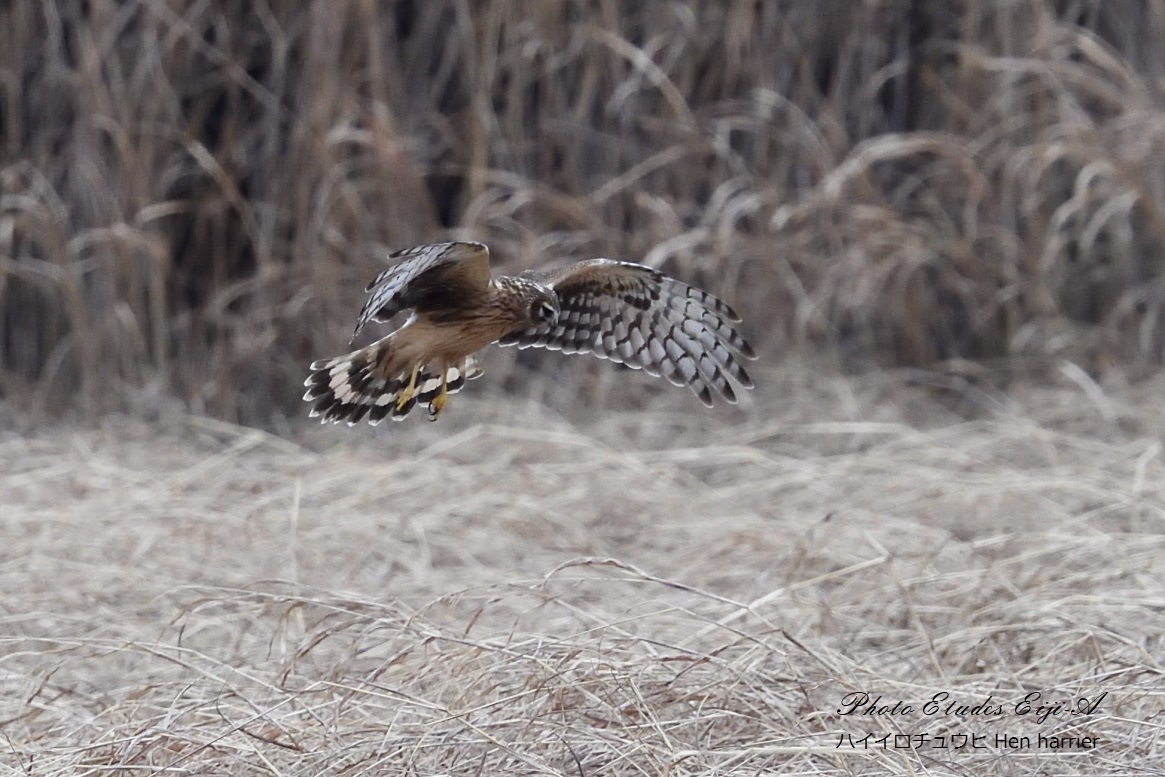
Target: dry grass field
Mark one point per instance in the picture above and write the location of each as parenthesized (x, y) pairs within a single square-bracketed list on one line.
[(507, 592), (943, 223)]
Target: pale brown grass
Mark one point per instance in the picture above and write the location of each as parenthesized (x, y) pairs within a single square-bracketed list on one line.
[(192, 196), (508, 592)]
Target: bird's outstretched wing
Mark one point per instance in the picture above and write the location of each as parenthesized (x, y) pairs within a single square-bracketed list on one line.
[(429, 279), (645, 319)]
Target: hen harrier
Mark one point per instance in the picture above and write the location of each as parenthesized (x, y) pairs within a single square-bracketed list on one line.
[(620, 311)]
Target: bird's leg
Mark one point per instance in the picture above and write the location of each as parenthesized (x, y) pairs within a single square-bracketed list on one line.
[(411, 389), (438, 403)]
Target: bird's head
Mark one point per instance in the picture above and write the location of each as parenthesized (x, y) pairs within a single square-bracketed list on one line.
[(544, 309)]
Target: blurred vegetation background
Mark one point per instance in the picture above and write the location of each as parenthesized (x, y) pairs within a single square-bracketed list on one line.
[(193, 194)]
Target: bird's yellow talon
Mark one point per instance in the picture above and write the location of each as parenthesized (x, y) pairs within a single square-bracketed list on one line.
[(438, 403), (411, 389)]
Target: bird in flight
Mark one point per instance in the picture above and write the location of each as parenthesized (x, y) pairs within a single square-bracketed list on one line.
[(621, 311)]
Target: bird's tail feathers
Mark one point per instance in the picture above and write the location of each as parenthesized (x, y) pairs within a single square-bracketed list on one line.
[(365, 382)]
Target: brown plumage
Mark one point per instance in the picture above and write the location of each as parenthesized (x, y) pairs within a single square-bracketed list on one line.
[(618, 310)]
